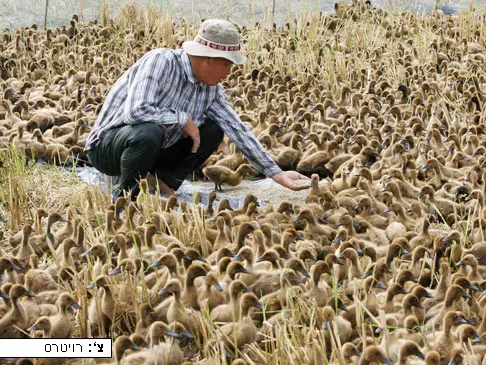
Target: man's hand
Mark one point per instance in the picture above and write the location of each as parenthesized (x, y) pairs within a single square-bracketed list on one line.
[(190, 130), (289, 180)]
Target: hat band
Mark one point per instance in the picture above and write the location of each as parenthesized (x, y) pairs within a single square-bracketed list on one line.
[(217, 46)]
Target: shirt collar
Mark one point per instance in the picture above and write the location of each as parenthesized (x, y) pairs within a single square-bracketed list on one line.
[(186, 65)]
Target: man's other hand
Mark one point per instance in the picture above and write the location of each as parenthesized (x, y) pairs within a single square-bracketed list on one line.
[(190, 130)]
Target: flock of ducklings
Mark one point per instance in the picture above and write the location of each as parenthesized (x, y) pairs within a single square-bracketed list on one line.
[(384, 262)]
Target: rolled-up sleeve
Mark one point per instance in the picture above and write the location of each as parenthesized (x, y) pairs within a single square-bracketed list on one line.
[(148, 84), (222, 113)]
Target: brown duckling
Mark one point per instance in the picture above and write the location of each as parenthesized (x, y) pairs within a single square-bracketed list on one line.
[(409, 348), (212, 295), (190, 293), (4, 290), (282, 298), (7, 266), (351, 269), (164, 353), (123, 343), (319, 291), (312, 225), (100, 257), (45, 242), (138, 340), (146, 318), (470, 261), (443, 342), (243, 231), (268, 282), (350, 352), (60, 323), (26, 250), (243, 331), (157, 331), (222, 239), (231, 311), (453, 295), (344, 329), (68, 229), (373, 354), (177, 312), (16, 316), (248, 216), (105, 308), (42, 324), (222, 174)]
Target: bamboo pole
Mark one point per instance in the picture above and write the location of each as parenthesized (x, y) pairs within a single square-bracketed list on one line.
[(45, 15), (273, 12)]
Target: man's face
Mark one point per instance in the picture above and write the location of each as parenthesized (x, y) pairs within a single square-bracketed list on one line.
[(214, 70)]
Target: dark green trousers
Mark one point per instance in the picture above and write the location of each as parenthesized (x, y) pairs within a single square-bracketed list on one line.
[(131, 151)]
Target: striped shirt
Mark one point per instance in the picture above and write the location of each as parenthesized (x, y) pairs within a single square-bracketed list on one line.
[(161, 87)]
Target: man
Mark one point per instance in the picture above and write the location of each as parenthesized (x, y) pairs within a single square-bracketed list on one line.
[(168, 113)]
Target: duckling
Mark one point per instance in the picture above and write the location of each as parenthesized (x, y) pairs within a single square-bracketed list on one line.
[(344, 329), (139, 340), (234, 268), (350, 351), (222, 239), (166, 353), (40, 242), (244, 230), (444, 342), (470, 261), (268, 282), (146, 318), (288, 157), (401, 218), (118, 242), (468, 332), (230, 311), (122, 344), (68, 229), (100, 257), (453, 295), (4, 290), (443, 207), (247, 217), (190, 292), (312, 225), (280, 299), (319, 292), (26, 250), (373, 354), (177, 312), (128, 224), (243, 331), (42, 324), (210, 298), (104, 309), (352, 270), (409, 348), (60, 323), (221, 174), (16, 318), (283, 211)]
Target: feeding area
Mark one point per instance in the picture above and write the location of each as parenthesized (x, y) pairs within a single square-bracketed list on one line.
[(381, 260)]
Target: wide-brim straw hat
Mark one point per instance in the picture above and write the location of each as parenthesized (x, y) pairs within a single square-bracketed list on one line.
[(216, 38)]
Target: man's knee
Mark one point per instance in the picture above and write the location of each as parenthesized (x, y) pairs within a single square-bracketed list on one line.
[(146, 135), (212, 131)]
